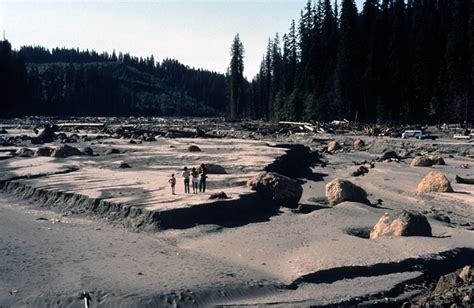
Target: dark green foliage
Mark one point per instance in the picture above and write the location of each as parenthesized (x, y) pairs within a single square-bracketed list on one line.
[(236, 80), (395, 61), (72, 82)]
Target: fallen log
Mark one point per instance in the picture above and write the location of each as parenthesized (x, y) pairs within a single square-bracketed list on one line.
[(461, 180)]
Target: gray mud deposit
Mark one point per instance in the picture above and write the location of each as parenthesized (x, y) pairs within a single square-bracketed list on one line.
[(80, 223)]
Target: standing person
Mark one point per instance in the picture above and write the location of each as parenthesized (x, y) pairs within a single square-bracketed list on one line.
[(186, 180), (203, 177), (195, 177), (172, 181)]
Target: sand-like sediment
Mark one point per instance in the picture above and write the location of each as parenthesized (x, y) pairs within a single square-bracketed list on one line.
[(81, 223)]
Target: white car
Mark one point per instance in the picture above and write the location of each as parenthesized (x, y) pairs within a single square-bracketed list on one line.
[(412, 134), (461, 136)]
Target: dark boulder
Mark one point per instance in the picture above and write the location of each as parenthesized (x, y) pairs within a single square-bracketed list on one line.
[(388, 156), (215, 169), (219, 195), (66, 151), (88, 151), (44, 151), (46, 135), (124, 165), (194, 148)]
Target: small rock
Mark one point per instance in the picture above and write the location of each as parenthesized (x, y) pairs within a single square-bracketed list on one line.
[(437, 160), (124, 165), (421, 161), (338, 191), (194, 148), (434, 182), (405, 224), (388, 156), (360, 171), (358, 144), (88, 151), (219, 195), (3, 131), (333, 146), (466, 274), (111, 151)]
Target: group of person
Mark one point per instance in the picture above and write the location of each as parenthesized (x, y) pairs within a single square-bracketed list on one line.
[(197, 176)]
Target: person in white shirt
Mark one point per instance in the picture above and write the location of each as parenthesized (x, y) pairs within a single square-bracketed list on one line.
[(186, 180)]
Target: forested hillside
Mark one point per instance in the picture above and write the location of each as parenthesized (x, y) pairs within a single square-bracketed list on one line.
[(63, 81), (393, 61)]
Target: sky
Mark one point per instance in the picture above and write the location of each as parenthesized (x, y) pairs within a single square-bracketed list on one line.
[(198, 33)]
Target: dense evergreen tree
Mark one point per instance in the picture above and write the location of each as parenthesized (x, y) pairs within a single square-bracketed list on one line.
[(72, 82), (236, 77), (395, 61)]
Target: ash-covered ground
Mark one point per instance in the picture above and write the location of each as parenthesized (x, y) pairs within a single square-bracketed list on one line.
[(85, 206)]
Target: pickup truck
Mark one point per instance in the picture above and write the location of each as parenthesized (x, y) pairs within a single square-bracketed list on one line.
[(461, 136)]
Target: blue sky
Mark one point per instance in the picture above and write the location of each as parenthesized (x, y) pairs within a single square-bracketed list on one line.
[(197, 33)]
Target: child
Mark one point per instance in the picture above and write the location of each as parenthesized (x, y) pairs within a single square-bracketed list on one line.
[(172, 181), (195, 180)]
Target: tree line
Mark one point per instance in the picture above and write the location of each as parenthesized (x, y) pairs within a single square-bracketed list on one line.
[(62, 81), (395, 61)]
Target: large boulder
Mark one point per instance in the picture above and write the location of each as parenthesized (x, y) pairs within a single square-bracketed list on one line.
[(434, 182), (405, 224), (358, 144), (437, 160), (333, 146), (66, 151), (44, 151), (194, 148), (421, 161), (339, 190), (278, 188), (215, 169)]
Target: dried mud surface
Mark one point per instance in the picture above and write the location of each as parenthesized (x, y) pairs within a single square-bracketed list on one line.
[(81, 223)]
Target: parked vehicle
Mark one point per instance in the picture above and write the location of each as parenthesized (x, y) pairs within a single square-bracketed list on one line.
[(428, 136), (412, 134), (418, 134), (396, 134), (461, 136)]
